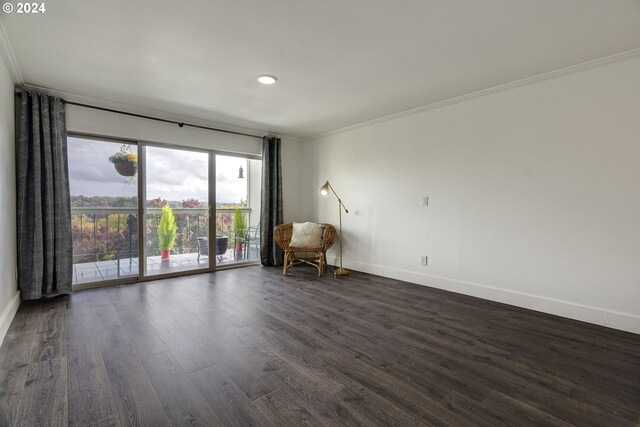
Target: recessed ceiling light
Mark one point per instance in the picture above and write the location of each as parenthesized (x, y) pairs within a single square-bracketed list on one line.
[(267, 80)]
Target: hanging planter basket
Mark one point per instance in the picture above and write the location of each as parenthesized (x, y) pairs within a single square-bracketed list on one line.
[(126, 168), (125, 162)]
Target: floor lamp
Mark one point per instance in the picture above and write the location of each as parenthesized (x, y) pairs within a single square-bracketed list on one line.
[(324, 190)]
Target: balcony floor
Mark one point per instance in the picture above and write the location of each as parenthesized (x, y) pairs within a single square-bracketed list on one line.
[(128, 267)]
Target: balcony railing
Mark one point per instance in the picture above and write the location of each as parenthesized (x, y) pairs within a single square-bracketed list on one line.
[(103, 234)]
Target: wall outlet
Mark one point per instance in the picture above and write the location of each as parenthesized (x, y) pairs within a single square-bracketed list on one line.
[(424, 260), (425, 201)]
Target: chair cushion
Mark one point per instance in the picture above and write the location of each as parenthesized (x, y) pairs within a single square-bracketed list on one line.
[(306, 235)]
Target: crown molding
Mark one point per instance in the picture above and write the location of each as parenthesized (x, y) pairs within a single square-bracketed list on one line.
[(619, 57), (9, 58)]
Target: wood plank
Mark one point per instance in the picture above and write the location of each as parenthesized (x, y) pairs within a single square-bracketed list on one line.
[(16, 354), (90, 398), (50, 330), (44, 400), (110, 421), (374, 409), (520, 413), (236, 366), (145, 340), (134, 397), (311, 395), (107, 327), (473, 411), (280, 411), (182, 402), (191, 353), (231, 404), (12, 379)]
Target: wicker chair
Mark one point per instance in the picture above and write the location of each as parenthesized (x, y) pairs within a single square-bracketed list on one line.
[(312, 256)]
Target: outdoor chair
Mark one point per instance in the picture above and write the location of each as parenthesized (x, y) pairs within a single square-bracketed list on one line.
[(252, 236), (221, 246)]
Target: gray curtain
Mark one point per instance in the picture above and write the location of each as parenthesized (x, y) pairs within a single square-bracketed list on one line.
[(43, 201), (271, 212)]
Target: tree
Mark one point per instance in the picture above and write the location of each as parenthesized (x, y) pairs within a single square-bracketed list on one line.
[(167, 229), (157, 203), (192, 203), (239, 224)]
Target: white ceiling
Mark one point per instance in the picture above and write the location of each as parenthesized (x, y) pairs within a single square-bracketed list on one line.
[(339, 62)]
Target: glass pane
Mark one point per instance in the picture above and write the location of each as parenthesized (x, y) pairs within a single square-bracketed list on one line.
[(237, 209), (176, 214), (104, 209)]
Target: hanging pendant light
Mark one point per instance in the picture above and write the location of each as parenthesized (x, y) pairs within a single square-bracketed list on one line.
[(240, 172)]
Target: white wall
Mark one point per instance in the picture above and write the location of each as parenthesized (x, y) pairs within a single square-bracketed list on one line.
[(9, 295), (96, 122), (534, 195), (86, 120)]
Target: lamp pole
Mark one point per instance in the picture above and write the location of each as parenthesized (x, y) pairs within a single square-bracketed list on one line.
[(324, 190)]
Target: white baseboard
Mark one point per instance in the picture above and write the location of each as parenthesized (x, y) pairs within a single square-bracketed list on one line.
[(8, 314), (612, 319)]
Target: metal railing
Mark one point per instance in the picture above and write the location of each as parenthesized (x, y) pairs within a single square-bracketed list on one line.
[(108, 233)]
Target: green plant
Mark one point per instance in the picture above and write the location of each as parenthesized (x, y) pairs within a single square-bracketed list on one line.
[(125, 162), (124, 155), (239, 224), (167, 229)]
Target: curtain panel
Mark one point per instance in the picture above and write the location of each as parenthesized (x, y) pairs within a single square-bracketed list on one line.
[(271, 201), (45, 255)]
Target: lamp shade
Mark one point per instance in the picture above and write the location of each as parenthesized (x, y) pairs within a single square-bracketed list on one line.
[(324, 190)]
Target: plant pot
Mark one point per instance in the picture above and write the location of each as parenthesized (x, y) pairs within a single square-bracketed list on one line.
[(126, 168), (165, 253), (238, 251)]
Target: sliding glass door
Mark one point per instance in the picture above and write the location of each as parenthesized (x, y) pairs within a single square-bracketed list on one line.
[(142, 210), (237, 209), (176, 210), (104, 209)]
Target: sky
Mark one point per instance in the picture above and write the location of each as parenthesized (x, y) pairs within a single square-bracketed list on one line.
[(172, 174)]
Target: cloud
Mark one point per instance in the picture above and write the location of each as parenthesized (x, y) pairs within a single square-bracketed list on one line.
[(91, 173), (171, 174)]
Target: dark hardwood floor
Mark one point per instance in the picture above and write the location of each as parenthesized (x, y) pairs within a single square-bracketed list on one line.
[(250, 347)]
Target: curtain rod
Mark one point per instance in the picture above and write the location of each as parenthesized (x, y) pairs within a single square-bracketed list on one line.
[(158, 119)]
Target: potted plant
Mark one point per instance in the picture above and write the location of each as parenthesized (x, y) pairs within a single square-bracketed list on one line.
[(239, 229), (167, 231), (125, 161)]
